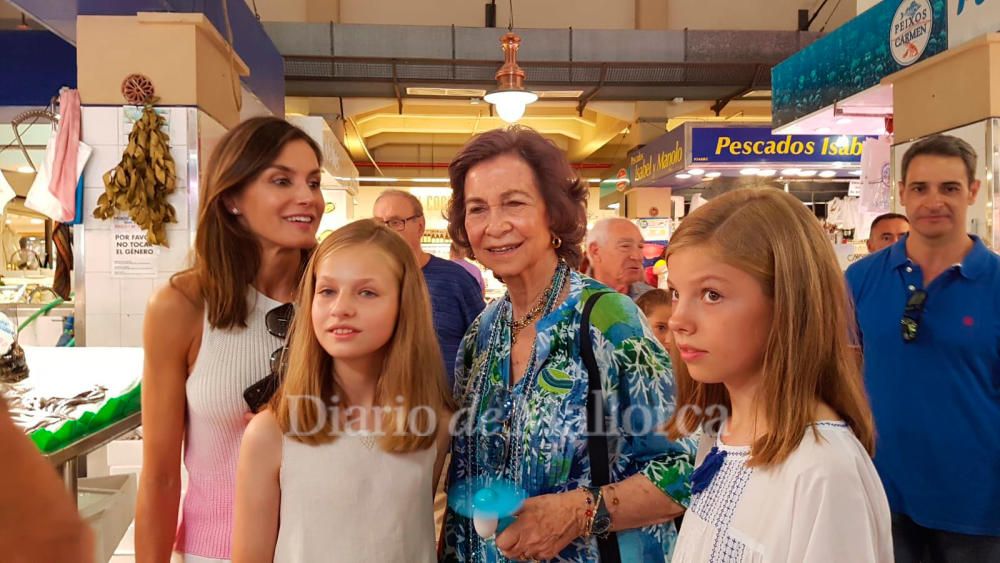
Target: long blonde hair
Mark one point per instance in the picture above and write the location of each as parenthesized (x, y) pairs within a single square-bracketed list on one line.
[(413, 368), (808, 357)]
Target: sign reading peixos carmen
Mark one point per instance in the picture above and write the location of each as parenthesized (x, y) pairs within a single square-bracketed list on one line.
[(910, 31)]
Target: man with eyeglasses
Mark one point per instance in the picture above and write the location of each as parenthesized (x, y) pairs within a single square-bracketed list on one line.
[(614, 247), (456, 298), (928, 314)]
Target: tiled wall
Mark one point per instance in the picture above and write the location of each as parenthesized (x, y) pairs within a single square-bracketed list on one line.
[(113, 308)]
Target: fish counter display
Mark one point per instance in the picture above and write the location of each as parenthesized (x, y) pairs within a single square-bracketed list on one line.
[(75, 400)]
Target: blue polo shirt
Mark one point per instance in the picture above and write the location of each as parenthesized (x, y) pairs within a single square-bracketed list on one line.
[(456, 301), (936, 400)]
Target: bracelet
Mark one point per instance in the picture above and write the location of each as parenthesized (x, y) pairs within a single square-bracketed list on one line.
[(593, 516), (594, 496), (589, 513), (614, 500)]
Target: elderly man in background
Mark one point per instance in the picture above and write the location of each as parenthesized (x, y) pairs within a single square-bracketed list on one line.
[(456, 297), (614, 247)]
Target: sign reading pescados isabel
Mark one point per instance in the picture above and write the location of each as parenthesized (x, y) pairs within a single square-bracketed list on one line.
[(756, 145)]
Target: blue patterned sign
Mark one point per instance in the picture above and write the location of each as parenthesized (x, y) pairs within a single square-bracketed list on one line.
[(857, 56)]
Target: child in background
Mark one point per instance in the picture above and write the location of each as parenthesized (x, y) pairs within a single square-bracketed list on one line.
[(762, 324), (344, 465), (656, 305)]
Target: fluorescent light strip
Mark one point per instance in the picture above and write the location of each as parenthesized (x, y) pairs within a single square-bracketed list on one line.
[(431, 191), (390, 180), (376, 179)]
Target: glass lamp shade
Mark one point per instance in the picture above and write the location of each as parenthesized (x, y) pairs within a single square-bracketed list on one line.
[(510, 104)]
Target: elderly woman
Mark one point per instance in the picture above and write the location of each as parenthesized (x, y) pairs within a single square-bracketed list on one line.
[(522, 380)]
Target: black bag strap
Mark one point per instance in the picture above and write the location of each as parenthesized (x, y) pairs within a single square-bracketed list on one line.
[(597, 439)]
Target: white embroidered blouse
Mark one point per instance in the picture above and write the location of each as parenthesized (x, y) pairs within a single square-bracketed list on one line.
[(824, 503)]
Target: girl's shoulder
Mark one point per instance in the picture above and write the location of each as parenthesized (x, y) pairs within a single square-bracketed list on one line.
[(829, 454), (263, 434)]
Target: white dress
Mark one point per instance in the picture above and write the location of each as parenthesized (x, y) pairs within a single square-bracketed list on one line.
[(825, 503), (350, 501)]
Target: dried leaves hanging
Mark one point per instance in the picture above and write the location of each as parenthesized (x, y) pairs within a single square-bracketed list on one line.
[(141, 182)]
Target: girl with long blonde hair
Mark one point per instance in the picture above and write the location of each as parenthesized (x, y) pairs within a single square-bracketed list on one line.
[(762, 323), (344, 464)]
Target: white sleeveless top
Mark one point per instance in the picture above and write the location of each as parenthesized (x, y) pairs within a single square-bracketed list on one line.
[(228, 362), (345, 501)]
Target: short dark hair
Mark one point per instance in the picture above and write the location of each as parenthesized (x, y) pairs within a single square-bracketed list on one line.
[(887, 217), (564, 193), (943, 145), (649, 301)]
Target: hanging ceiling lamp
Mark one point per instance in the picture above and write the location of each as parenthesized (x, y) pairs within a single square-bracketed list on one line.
[(510, 97)]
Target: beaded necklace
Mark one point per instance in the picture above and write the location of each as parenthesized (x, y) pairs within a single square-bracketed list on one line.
[(482, 386)]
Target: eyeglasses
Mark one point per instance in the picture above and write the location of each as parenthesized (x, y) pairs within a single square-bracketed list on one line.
[(397, 224), (912, 313), (277, 321)]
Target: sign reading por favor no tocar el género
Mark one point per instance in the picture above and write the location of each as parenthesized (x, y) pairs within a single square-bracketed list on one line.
[(131, 254), (750, 145)]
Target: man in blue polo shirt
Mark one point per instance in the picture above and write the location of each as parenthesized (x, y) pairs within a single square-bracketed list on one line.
[(456, 298), (928, 314)]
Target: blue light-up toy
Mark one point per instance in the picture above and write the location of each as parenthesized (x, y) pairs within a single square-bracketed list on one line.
[(490, 503)]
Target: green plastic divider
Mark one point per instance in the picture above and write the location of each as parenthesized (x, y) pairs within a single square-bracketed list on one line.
[(70, 431)]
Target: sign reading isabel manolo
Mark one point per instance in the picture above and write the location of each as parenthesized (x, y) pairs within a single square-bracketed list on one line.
[(660, 158)]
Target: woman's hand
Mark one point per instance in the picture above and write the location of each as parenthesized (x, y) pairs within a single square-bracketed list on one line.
[(545, 525)]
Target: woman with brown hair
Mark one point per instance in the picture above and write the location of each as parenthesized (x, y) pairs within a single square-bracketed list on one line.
[(762, 322), (532, 366), (217, 329)]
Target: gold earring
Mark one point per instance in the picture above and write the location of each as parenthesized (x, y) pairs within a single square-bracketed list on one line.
[(556, 241)]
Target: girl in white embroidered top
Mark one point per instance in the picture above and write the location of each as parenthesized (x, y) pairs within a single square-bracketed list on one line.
[(344, 464), (762, 322)]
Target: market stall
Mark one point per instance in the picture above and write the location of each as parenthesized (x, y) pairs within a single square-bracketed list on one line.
[(892, 71)]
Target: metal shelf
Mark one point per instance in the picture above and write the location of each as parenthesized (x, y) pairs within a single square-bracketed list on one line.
[(65, 459)]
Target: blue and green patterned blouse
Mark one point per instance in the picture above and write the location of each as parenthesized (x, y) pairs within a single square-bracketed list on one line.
[(547, 449)]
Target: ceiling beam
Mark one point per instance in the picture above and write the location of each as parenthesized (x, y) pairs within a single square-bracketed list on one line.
[(604, 130)]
